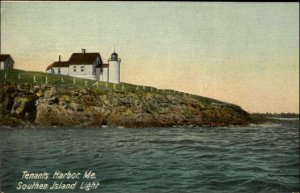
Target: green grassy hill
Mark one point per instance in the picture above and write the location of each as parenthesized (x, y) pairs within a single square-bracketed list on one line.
[(33, 77)]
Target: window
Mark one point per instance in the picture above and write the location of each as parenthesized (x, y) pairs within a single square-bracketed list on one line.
[(58, 70), (74, 68), (82, 68)]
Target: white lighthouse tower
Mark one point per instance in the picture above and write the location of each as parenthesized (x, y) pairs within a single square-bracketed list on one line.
[(114, 68)]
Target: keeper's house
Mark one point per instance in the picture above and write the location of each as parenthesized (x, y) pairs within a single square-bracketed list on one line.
[(88, 65)]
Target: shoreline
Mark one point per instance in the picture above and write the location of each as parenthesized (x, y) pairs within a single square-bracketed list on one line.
[(46, 105), (40, 127)]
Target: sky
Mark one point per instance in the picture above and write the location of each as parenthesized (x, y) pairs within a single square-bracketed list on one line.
[(241, 53)]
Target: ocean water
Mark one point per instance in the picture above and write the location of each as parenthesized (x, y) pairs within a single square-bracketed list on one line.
[(258, 158)]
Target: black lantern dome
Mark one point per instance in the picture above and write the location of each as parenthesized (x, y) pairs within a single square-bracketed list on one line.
[(114, 56)]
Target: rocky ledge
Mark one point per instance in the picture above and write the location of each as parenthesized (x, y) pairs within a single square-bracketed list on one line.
[(45, 105)]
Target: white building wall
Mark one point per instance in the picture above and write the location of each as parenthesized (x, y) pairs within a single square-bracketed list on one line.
[(1, 65), (87, 72), (98, 74), (49, 71), (105, 74), (114, 71), (63, 70)]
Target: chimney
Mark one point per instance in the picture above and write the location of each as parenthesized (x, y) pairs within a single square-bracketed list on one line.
[(59, 57), (83, 51)]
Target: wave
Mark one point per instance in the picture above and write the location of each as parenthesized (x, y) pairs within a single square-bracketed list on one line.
[(284, 118)]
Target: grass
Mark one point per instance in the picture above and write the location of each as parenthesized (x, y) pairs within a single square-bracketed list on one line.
[(33, 77), (20, 76)]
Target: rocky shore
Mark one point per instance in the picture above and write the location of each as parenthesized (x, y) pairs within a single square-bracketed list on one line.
[(45, 105)]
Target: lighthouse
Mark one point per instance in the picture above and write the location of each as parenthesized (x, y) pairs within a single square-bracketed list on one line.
[(114, 68)]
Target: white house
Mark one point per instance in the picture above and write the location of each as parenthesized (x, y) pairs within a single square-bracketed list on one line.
[(89, 66), (6, 62)]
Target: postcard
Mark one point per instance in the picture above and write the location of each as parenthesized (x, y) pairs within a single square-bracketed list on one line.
[(149, 97)]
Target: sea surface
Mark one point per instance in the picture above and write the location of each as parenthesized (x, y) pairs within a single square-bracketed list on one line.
[(257, 158)]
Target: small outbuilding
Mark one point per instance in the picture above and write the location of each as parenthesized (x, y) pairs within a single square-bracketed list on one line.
[(6, 62), (59, 67)]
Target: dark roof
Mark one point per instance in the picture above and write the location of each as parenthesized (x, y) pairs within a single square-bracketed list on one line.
[(103, 66), (49, 67), (58, 64), (61, 64), (84, 58), (3, 57)]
